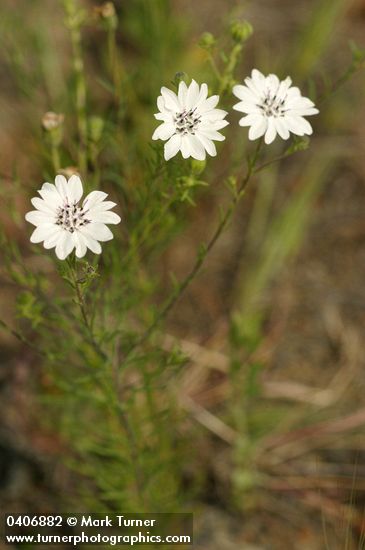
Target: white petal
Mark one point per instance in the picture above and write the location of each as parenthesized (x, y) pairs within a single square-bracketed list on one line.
[(74, 188), (192, 95), (258, 128), (210, 134), (80, 244), (36, 217), (49, 187), (170, 99), (284, 87), (256, 90), (164, 117), (164, 131), (172, 147), (214, 114), (52, 239), (102, 206), (65, 245), (298, 125), (304, 125), (61, 186), (160, 103), (293, 92), (43, 206), (207, 144), (203, 94), (249, 120), (282, 128), (42, 232), (50, 194), (292, 125), (299, 102), (273, 83), (98, 231), (258, 77), (304, 112), (219, 124), (197, 149), (270, 134), (90, 242), (209, 104), (244, 94), (183, 89), (94, 198), (185, 147), (105, 217), (247, 107)]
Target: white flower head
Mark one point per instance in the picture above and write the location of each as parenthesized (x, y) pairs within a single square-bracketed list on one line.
[(63, 223), (273, 107), (190, 121)]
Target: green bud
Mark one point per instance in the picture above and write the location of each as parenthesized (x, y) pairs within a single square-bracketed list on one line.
[(358, 54), (52, 124), (198, 166), (299, 144), (107, 14), (179, 77), (241, 31), (207, 41), (96, 127)]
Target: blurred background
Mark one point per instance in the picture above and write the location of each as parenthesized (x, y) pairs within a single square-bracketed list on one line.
[(288, 274)]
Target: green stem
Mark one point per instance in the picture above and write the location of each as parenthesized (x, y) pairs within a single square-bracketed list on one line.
[(74, 25), (110, 389), (82, 306), (55, 158), (176, 295), (214, 66), (19, 336), (114, 66), (230, 67)]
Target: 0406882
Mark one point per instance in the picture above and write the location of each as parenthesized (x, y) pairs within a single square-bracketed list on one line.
[(33, 521)]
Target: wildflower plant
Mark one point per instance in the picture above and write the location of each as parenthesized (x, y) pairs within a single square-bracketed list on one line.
[(191, 122), (273, 108), (96, 318), (63, 224)]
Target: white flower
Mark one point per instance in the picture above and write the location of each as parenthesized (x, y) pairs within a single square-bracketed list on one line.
[(62, 223), (190, 121), (273, 107)]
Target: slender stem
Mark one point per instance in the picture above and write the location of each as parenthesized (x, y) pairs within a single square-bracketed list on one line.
[(19, 336), (111, 391), (176, 295), (273, 161), (55, 158), (230, 67), (214, 66), (78, 64), (353, 69), (82, 306), (114, 65)]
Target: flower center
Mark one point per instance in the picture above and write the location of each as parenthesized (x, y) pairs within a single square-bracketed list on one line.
[(187, 122), (71, 217), (273, 105)]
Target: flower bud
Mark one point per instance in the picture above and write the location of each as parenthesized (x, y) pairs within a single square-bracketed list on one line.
[(207, 41), (198, 166), (241, 31), (70, 171), (96, 128), (51, 121), (106, 13), (179, 77)]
